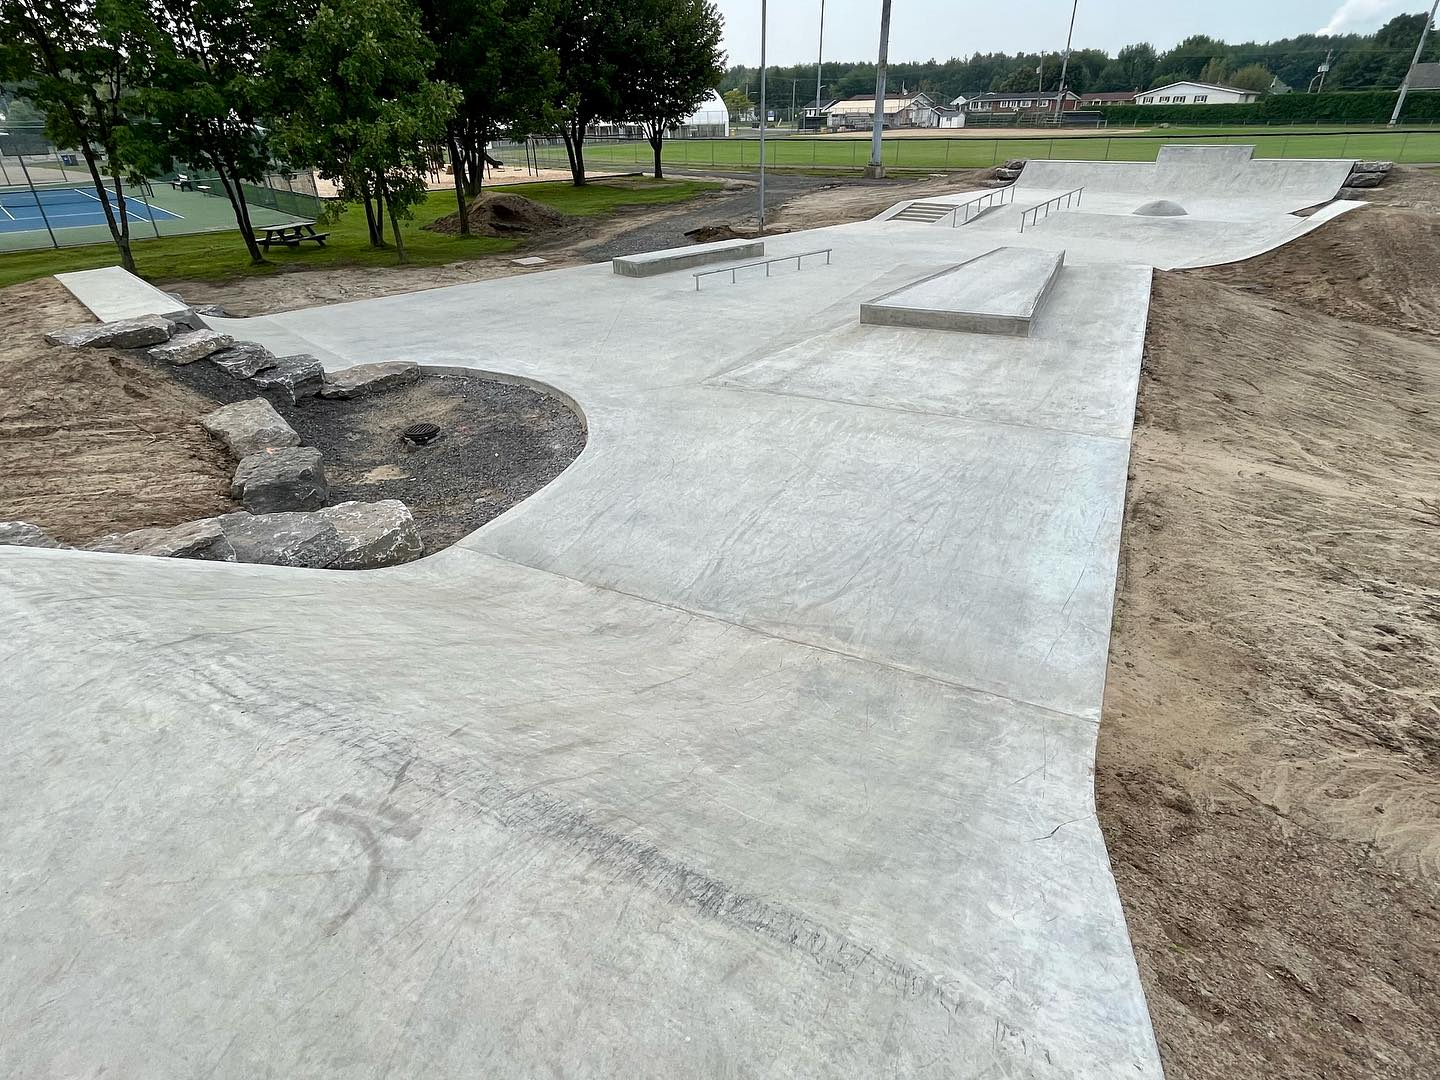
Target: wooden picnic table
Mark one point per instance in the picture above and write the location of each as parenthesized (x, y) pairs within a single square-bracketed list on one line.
[(291, 234)]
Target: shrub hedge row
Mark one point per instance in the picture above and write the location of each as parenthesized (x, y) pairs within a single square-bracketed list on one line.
[(1355, 107)]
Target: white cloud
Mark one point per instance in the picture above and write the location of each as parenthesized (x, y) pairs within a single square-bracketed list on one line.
[(1363, 16)]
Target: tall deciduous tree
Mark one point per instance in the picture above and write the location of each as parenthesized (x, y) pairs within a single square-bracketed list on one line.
[(590, 39), (356, 98), (676, 63), (496, 54), (74, 60), (203, 94)]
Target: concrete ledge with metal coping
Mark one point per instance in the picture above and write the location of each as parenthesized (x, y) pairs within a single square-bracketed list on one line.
[(997, 293), (650, 263)]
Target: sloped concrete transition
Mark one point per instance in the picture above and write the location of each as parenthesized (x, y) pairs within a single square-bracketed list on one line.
[(759, 743)]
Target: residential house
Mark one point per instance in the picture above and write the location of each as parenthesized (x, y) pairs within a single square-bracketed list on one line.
[(1119, 97), (1021, 101), (1196, 93)]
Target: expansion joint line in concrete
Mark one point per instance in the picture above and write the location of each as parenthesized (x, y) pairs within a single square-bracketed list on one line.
[(913, 673), (966, 417)]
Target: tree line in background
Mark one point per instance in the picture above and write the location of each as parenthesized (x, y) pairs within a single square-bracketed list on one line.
[(1360, 62), (371, 94)]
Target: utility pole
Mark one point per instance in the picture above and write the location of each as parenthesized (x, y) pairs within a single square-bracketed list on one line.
[(819, 59), (876, 169), (1321, 72), (762, 115), (1065, 64), (1419, 51)]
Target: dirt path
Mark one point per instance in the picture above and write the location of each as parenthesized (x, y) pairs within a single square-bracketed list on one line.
[(1267, 774)]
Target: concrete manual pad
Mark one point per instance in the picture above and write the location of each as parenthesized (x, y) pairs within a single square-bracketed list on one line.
[(758, 743), (997, 293), (663, 262), (111, 293)]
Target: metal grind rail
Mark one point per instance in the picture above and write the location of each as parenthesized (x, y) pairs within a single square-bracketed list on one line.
[(984, 202), (1066, 198), (732, 270)]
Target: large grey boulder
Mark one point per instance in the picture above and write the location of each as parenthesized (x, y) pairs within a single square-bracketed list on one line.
[(190, 346), (282, 539), (373, 534), (365, 379), (1364, 180), (1003, 173), (276, 480), (244, 359), (1015, 163), (24, 534), (202, 539), (247, 427), (299, 376), (124, 334), (1381, 167)]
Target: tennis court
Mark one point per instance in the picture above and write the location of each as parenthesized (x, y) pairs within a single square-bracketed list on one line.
[(76, 215), (23, 210)]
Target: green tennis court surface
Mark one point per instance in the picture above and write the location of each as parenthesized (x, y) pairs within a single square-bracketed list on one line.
[(77, 217)]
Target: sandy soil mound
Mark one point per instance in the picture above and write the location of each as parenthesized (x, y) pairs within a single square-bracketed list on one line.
[(1375, 265), (91, 442), (504, 214), (1270, 745)]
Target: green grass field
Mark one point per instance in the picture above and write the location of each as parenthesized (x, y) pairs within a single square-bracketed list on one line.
[(221, 254), (978, 151)]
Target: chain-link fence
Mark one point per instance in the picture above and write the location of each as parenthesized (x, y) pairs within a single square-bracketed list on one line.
[(48, 198), (925, 152)]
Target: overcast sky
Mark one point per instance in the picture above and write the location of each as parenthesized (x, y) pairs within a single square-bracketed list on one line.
[(922, 29)]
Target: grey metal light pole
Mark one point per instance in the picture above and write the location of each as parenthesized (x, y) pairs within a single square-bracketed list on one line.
[(876, 169), (819, 59), (1064, 65), (762, 115), (1419, 51)]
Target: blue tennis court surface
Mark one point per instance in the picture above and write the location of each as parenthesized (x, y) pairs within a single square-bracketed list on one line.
[(67, 208)]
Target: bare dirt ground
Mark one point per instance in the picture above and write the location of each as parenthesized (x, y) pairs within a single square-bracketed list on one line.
[(1270, 747), (92, 443)]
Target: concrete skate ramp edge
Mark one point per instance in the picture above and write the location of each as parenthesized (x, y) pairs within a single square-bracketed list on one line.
[(1308, 181)]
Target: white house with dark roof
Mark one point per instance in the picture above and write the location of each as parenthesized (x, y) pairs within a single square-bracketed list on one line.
[(1196, 93)]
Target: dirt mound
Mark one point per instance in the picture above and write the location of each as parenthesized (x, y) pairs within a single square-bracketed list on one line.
[(504, 214), (1374, 265), (1267, 757), (709, 234)]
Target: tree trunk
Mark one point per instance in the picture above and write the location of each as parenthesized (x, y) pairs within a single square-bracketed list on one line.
[(575, 149), (226, 171), (656, 139), (121, 237), (459, 171), (370, 218), (394, 225)]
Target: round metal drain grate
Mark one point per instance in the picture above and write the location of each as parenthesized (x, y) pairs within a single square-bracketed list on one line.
[(420, 434)]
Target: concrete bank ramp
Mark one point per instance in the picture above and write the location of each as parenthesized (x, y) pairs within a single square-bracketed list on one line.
[(997, 293), (1208, 171)]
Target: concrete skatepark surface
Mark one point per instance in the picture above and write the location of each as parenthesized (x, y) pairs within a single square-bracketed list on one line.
[(759, 743)]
